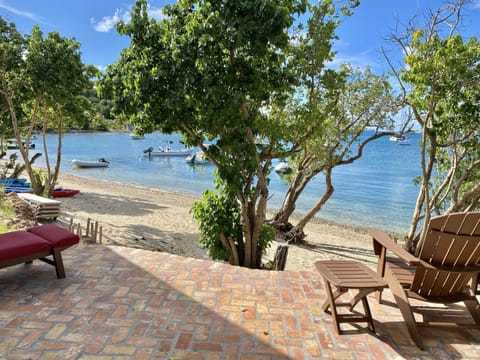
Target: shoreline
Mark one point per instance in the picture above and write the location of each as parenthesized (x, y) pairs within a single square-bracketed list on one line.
[(354, 227), (159, 220), (364, 197)]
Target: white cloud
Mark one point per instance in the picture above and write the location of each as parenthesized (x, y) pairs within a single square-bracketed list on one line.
[(25, 14), (102, 68), (155, 13), (476, 4), (361, 60), (108, 22)]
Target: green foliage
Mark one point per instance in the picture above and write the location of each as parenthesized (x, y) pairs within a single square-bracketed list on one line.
[(4, 228), (222, 71), (441, 78), (444, 75), (5, 208), (6, 212), (326, 117), (217, 213), (266, 238), (42, 83), (9, 166), (12, 44), (210, 70), (40, 177)]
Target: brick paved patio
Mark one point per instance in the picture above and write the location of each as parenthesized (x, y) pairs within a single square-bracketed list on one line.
[(123, 303)]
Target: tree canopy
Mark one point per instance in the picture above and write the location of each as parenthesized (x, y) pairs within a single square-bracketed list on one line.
[(42, 81), (209, 70), (441, 87)]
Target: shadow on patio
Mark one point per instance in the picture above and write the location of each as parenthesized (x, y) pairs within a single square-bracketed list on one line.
[(119, 302)]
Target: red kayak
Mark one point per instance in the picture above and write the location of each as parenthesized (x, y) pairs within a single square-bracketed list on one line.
[(64, 193)]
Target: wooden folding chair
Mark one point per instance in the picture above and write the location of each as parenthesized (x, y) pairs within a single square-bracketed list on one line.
[(445, 271)]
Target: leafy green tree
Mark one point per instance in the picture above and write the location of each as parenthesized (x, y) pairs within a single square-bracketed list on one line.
[(45, 79), (441, 83), (328, 114), (12, 45), (210, 70), (363, 101), (219, 217)]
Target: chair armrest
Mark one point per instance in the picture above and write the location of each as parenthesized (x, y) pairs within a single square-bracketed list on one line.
[(382, 240), (472, 269)]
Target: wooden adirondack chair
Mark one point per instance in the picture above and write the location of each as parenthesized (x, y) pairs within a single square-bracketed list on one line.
[(445, 272)]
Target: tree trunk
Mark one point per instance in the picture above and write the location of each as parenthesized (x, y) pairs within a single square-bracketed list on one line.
[(289, 202), (52, 178), (253, 218), (280, 259), (19, 169), (295, 189), (253, 214), (297, 234), (23, 149), (422, 205), (228, 243), (253, 201)]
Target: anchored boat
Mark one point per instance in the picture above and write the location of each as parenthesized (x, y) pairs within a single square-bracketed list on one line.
[(91, 164)]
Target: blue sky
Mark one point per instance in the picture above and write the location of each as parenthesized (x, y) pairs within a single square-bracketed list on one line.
[(90, 22)]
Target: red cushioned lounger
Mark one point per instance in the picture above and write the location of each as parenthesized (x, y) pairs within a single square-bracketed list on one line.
[(39, 242)]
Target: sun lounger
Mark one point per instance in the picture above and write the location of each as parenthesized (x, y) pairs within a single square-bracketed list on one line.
[(39, 242)]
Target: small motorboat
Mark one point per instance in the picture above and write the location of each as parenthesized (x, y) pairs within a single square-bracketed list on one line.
[(167, 151), (282, 168), (60, 193), (197, 158), (91, 164), (12, 144), (400, 139), (403, 141)]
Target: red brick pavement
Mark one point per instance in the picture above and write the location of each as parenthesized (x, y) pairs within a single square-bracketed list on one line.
[(123, 303)]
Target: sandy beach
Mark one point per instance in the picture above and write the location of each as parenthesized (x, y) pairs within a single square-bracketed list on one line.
[(160, 221)]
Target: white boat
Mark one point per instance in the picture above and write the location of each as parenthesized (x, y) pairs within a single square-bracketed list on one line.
[(91, 164), (400, 139), (282, 168), (166, 152), (12, 144), (197, 159), (404, 141)]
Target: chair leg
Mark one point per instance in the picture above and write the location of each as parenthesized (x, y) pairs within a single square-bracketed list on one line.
[(381, 271), (474, 308), (402, 302), (475, 284), (58, 262), (330, 303), (368, 314)]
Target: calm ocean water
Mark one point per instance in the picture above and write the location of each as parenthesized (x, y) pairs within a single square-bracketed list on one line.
[(375, 191)]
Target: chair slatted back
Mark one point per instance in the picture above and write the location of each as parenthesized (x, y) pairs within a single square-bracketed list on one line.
[(451, 241)]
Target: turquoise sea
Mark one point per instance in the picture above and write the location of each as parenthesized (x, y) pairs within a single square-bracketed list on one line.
[(375, 191)]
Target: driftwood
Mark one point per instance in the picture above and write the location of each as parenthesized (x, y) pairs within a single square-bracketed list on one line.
[(20, 168), (280, 259)]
